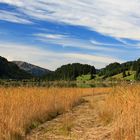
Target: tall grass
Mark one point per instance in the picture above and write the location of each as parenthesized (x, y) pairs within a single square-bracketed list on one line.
[(22, 108), (121, 109)]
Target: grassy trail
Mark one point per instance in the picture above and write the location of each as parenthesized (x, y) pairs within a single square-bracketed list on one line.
[(80, 123)]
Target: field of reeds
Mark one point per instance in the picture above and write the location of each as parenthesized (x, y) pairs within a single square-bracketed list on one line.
[(121, 110), (24, 108)]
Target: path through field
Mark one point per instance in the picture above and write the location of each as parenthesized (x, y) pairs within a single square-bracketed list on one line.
[(81, 123)]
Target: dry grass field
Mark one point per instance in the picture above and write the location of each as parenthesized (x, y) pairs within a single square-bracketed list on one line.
[(121, 109), (23, 109)]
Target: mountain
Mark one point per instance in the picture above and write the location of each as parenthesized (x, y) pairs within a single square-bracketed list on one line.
[(32, 69), (9, 70), (22, 70)]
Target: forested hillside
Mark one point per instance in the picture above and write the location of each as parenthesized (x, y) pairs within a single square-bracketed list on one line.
[(9, 70), (71, 71), (125, 71), (116, 68), (137, 67)]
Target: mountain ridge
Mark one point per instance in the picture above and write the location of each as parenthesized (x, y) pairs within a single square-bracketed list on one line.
[(23, 70), (31, 68), (9, 70)]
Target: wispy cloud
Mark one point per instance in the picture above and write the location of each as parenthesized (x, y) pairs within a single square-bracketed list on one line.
[(68, 41), (93, 58), (50, 36), (50, 59), (46, 22), (13, 17), (115, 18), (123, 43), (106, 44), (131, 43)]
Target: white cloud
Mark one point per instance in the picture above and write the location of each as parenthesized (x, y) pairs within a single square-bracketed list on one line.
[(121, 43), (105, 44), (12, 2), (50, 36), (68, 41), (92, 58), (50, 59), (119, 18), (13, 17)]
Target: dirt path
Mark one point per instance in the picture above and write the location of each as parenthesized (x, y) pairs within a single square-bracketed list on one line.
[(81, 123)]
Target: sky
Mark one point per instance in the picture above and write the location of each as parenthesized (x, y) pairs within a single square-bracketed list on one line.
[(51, 33)]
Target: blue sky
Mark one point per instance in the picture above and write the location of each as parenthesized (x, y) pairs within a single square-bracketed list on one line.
[(51, 33)]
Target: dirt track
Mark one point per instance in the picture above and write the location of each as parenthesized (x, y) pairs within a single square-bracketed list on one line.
[(81, 123)]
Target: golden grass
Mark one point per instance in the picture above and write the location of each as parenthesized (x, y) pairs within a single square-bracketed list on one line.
[(22, 108), (121, 109)]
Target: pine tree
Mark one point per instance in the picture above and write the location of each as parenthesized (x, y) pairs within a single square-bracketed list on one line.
[(138, 74), (124, 74)]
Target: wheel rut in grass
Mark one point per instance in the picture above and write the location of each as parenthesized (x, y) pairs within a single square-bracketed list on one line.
[(80, 123)]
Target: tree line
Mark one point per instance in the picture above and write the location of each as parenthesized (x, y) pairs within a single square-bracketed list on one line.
[(116, 68), (71, 71), (9, 70)]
